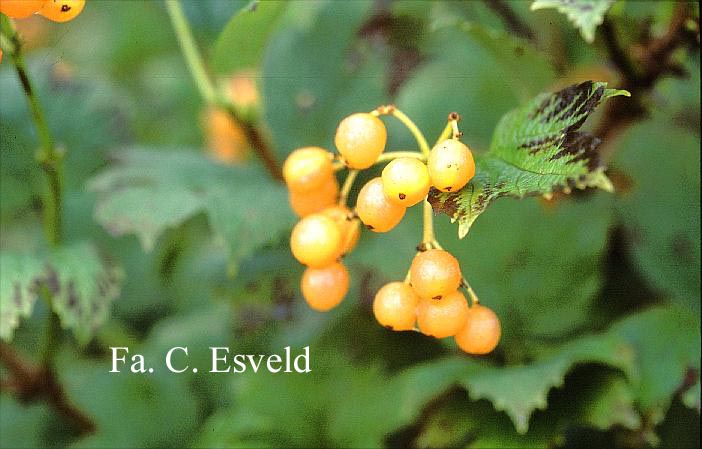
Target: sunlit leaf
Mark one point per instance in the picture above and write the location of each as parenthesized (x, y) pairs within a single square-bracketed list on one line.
[(536, 149)]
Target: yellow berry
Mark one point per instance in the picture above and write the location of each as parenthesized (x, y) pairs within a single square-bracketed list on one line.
[(360, 138), (316, 241), (226, 139), (442, 317), (375, 210), (406, 181), (349, 226), (316, 200), (450, 165), (481, 333), (395, 306), (19, 9), (324, 288), (62, 10), (307, 169), (434, 273)]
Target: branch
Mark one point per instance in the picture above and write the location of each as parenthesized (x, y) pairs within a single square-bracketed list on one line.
[(32, 383), (652, 62), (510, 19)]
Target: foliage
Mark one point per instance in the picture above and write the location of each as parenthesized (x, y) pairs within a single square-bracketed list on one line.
[(536, 149), (598, 291), (585, 14)]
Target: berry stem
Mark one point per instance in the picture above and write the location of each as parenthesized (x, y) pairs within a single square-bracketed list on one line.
[(451, 128), (386, 157), (428, 237), (346, 188), (212, 96), (409, 124)]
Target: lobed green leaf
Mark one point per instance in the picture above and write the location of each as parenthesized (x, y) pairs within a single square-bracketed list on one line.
[(80, 283), (147, 192), (536, 149)]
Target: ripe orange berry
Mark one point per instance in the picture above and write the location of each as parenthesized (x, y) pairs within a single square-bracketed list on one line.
[(451, 165), (62, 10), (442, 317), (225, 137), (324, 288), (375, 210), (481, 333), (19, 9), (395, 306), (360, 138), (316, 241), (406, 181), (316, 200), (349, 226), (434, 274), (307, 169)]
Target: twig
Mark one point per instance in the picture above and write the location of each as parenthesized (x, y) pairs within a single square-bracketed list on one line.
[(639, 75), (511, 19), (32, 383)]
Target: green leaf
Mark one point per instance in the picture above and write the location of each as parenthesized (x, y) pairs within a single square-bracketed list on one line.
[(130, 410), (662, 218), (586, 15), (521, 389), (81, 284), (242, 43), (23, 425), (536, 149), (147, 192), (19, 279), (523, 263), (311, 83)]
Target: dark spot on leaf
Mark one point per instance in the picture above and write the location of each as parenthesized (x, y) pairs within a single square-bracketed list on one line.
[(580, 146), (402, 196), (448, 189), (437, 297), (65, 8), (72, 296), (52, 281), (17, 294)]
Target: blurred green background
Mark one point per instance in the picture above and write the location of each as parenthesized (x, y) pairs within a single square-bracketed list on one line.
[(598, 293)]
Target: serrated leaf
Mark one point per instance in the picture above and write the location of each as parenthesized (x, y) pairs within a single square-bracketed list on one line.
[(19, 279), (586, 15), (147, 192), (82, 287), (536, 149), (242, 42), (519, 390)]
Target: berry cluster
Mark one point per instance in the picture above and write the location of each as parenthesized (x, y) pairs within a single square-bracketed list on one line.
[(430, 299), (54, 10)]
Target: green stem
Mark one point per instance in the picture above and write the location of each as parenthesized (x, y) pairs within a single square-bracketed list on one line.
[(190, 51), (348, 183), (49, 157), (210, 94), (51, 161)]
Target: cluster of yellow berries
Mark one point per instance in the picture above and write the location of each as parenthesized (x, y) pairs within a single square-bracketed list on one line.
[(429, 300), (55, 10)]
